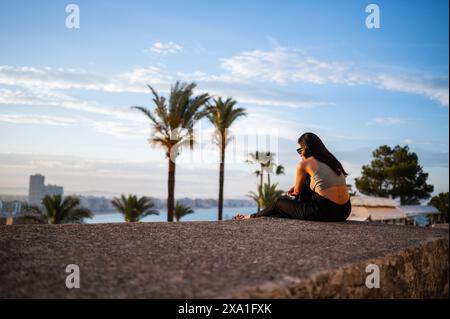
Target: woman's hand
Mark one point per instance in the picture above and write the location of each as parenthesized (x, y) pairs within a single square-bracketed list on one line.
[(241, 217), (291, 190)]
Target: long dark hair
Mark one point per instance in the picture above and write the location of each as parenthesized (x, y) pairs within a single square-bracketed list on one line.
[(313, 146)]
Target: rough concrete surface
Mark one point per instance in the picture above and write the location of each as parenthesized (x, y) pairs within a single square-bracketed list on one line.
[(258, 258)]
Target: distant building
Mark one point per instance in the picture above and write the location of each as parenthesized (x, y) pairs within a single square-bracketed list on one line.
[(53, 190), (10, 210), (421, 215), (38, 190), (96, 203), (368, 208)]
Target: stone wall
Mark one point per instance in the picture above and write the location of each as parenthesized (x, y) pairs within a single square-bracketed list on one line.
[(257, 258), (419, 272)]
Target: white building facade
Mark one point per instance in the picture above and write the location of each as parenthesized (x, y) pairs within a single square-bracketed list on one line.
[(38, 190), (369, 208)]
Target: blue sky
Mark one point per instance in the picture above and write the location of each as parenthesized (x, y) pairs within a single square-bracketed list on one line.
[(65, 94)]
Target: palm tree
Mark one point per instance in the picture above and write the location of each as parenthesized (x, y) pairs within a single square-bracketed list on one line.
[(134, 209), (55, 210), (264, 160), (181, 211), (266, 195), (222, 114), (276, 169), (168, 120)]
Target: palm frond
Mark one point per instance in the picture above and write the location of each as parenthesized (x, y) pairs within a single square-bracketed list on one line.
[(279, 170), (57, 210), (179, 111), (181, 211), (77, 216), (133, 208), (266, 195), (222, 113), (147, 112)]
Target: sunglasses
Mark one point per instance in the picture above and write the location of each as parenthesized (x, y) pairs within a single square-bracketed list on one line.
[(300, 150)]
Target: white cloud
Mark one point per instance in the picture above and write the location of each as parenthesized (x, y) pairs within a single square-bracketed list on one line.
[(142, 76), (42, 87), (121, 130), (248, 77), (292, 103), (284, 65), (132, 124), (434, 88), (253, 93), (57, 99), (386, 121), (165, 48), (283, 128), (49, 78), (36, 119)]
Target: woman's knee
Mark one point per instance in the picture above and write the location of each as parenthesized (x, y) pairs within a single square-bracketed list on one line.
[(282, 204), (278, 202)]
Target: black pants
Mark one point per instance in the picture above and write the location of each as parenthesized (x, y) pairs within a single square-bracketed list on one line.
[(310, 206)]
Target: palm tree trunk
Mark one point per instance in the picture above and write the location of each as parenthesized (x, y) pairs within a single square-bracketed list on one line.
[(257, 176), (221, 176), (268, 179), (261, 176), (171, 191)]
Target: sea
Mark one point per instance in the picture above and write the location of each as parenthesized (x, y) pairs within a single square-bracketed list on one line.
[(200, 214)]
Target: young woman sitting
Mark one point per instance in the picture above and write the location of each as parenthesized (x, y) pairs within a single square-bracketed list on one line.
[(320, 191)]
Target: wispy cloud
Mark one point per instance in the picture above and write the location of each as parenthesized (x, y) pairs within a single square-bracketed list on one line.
[(44, 85), (49, 78), (284, 128), (132, 125), (57, 99), (165, 48), (289, 65), (286, 65), (36, 119), (386, 121), (137, 78), (121, 130), (434, 88), (247, 76)]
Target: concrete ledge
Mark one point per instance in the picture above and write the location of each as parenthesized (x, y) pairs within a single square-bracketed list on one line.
[(260, 258), (418, 272)]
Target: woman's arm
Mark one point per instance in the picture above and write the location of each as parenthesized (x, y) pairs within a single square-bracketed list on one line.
[(300, 178)]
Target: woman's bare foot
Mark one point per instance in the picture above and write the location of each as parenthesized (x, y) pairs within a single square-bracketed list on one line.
[(241, 217)]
